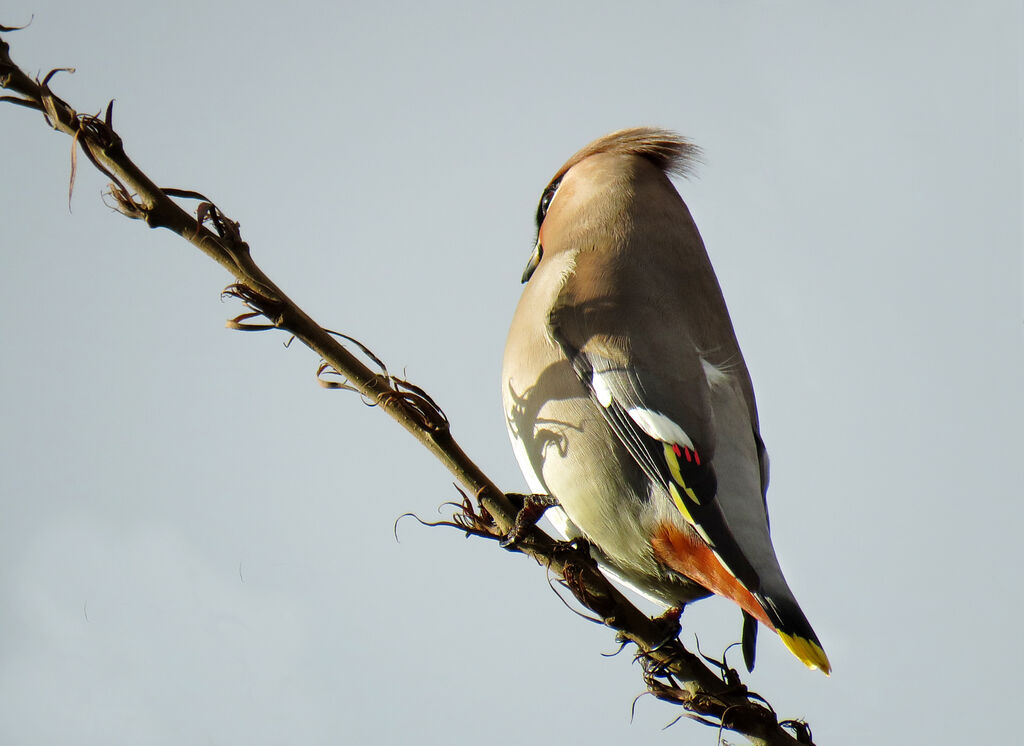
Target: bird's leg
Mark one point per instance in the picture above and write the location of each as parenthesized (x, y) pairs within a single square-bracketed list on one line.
[(528, 515), (669, 621)]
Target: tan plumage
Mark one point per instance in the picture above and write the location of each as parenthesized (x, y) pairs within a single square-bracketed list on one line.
[(626, 394)]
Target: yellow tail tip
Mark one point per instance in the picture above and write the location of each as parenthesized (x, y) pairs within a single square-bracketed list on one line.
[(808, 651)]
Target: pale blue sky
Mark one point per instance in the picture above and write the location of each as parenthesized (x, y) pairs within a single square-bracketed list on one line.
[(196, 540)]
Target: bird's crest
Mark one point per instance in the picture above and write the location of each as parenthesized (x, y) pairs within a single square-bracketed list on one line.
[(667, 150)]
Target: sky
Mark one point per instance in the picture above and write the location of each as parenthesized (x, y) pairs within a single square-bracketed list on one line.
[(197, 541)]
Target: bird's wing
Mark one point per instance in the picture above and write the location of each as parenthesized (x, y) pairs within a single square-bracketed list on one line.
[(659, 397), (652, 389)]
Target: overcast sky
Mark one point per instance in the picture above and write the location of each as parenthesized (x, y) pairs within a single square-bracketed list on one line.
[(196, 540)]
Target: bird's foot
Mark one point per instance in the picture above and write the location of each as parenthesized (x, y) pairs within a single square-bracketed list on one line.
[(531, 511), (669, 622), (578, 544)]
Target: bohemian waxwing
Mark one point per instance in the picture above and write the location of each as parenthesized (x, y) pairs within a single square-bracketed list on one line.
[(627, 398)]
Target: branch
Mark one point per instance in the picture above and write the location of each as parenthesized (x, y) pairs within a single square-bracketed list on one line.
[(713, 696)]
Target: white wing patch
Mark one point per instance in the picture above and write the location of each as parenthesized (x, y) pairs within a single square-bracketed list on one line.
[(601, 390), (655, 424), (660, 427)]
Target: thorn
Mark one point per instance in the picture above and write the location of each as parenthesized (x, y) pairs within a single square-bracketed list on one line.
[(54, 71)]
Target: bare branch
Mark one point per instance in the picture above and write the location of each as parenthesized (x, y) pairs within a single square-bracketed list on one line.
[(670, 672)]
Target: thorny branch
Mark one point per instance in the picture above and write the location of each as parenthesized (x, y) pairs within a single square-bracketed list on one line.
[(670, 672)]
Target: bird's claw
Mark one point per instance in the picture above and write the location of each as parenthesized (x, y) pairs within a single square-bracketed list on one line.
[(669, 621), (527, 517)]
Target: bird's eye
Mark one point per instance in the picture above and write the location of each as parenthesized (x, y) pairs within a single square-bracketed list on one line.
[(545, 201)]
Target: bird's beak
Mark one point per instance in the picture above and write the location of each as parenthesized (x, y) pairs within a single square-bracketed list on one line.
[(538, 252)]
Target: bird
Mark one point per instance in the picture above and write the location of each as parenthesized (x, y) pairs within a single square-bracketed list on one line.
[(627, 399)]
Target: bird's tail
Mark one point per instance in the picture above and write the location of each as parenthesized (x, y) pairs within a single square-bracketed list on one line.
[(794, 629)]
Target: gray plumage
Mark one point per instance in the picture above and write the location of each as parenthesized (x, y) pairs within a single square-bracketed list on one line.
[(622, 348)]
